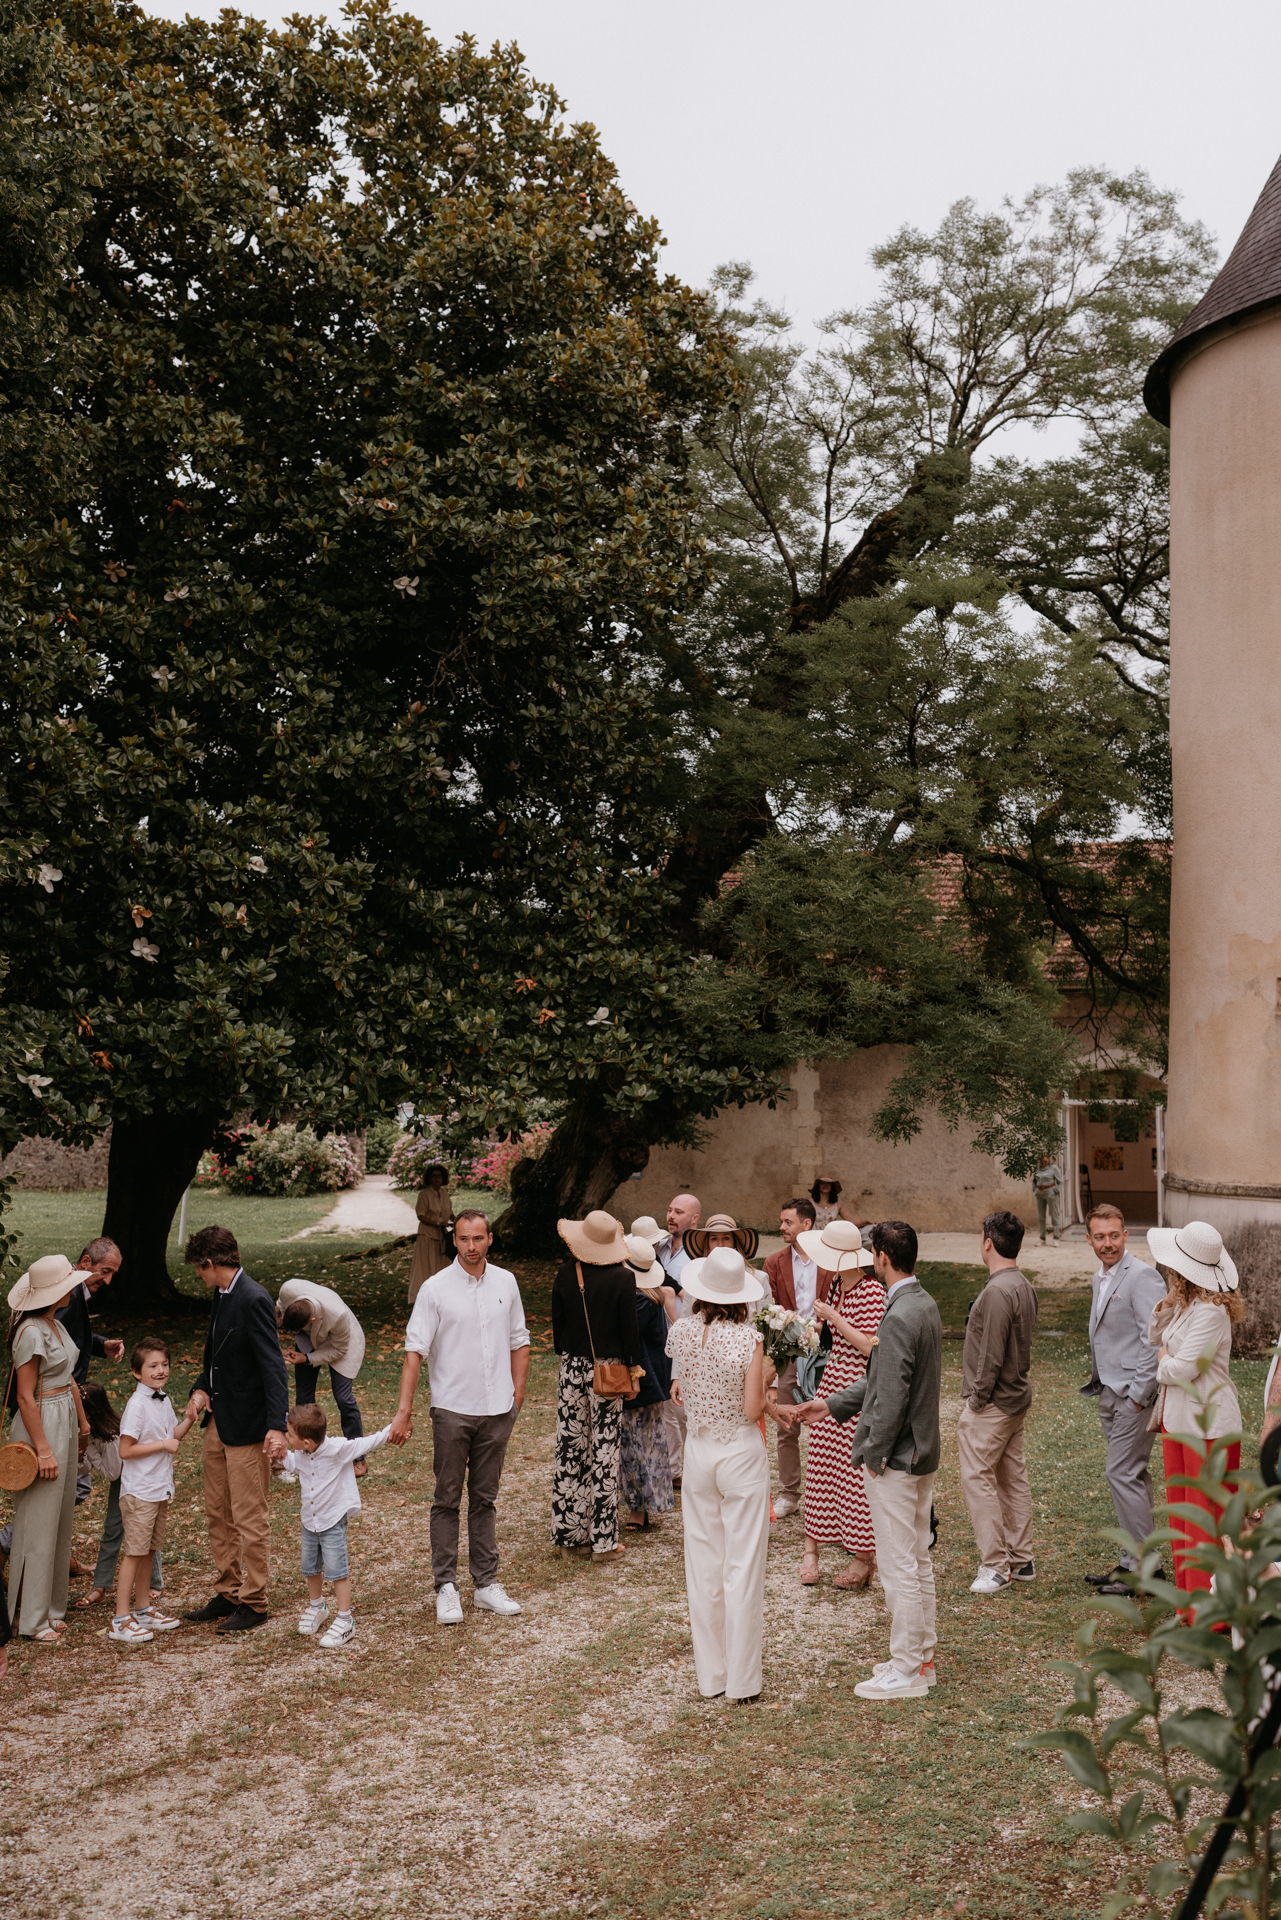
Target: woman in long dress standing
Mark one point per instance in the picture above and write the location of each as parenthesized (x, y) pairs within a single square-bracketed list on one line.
[(435, 1212), (719, 1375), (50, 1419), (834, 1506)]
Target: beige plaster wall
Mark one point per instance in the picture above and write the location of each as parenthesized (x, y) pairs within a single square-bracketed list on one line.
[(756, 1158), (1224, 1126), (48, 1166)]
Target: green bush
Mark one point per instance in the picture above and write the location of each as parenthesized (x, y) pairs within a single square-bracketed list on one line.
[(381, 1140), (292, 1160)]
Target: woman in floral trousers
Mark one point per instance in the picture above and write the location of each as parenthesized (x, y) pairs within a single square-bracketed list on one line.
[(593, 1318)]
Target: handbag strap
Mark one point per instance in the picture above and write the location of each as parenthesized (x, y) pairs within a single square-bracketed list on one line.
[(13, 1367), (578, 1269)]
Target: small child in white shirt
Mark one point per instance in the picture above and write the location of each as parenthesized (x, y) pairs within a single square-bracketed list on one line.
[(326, 1472), (150, 1434)]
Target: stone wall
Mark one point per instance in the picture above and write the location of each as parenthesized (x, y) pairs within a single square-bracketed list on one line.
[(50, 1167), (756, 1157)]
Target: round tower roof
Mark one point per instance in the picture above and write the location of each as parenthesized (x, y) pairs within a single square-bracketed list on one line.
[(1249, 280)]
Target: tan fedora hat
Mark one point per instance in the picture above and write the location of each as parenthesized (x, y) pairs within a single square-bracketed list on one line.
[(1197, 1252), (645, 1227), (44, 1283), (597, 1241), (837, 1249), (641, 1256), (699, 1239), (722, 1277)]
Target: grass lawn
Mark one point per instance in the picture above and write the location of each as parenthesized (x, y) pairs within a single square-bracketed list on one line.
[(560, 1764)]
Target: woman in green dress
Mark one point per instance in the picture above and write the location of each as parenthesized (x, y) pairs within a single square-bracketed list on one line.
[(50, 1419)]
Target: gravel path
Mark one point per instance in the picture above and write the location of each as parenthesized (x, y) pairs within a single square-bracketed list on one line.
[(372, 1207)]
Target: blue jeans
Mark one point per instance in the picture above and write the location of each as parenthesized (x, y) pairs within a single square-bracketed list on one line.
[(305, 1382), (326, 1552)]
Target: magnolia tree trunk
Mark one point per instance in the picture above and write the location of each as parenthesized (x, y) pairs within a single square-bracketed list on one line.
[(151, 1163), (590, 1154)]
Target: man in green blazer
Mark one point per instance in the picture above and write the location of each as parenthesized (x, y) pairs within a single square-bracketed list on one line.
[(896, 1443)]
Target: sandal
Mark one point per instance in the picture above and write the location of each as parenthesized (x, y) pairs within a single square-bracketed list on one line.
[(48, 1636), (610, 1553), (809, 1569), (858, 1575), (94, 1597)]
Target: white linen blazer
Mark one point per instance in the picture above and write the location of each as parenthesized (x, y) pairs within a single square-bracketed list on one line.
[(337, 1338), (1201, 1329)]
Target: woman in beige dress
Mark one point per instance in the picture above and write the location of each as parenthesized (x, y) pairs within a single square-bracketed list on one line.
[(50, 1419), (435, 1212)]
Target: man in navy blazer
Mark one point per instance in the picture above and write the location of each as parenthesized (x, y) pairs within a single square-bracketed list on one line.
[(243, 1392)]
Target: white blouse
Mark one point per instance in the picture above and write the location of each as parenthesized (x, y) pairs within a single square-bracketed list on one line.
[(712, 1374)]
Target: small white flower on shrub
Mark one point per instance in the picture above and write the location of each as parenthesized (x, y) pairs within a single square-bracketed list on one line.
[(47, 876), (145, 950)]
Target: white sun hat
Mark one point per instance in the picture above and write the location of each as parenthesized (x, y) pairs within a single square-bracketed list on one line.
[(1197, 1252), (641, 1256), (837, 1249), (647, 1228), (44, 1283), (723, 1278)]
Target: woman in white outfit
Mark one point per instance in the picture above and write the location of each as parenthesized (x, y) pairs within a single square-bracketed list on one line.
[(718, 1376)]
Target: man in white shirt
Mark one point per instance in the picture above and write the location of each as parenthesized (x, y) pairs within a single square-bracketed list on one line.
[(469, 1325), (683, 1212)]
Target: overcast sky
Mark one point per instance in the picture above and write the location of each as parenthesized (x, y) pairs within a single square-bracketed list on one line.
[(797, 136)]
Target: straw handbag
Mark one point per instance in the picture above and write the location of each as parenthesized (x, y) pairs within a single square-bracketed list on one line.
[(18, 1463)]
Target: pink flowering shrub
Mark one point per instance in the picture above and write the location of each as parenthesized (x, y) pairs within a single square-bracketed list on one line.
[(492, 1169), (290, 1160)]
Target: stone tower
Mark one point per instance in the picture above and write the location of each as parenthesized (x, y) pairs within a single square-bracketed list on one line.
[(1218, 387)]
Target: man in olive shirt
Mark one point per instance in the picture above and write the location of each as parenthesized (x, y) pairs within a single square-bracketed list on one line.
[(997, 1391)]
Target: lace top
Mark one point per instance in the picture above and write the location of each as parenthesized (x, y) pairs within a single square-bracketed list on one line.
[(712, 1375), (824, 1215)]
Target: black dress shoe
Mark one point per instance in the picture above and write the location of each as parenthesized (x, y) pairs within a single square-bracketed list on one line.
[(216, 1609), (1103, 1579), (1117, 1586), (242, 1619)]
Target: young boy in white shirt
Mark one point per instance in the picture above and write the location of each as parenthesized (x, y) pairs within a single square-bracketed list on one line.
[(326, 1472), (150, 1434)]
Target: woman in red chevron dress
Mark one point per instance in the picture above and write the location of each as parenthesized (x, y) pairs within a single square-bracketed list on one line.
[(835, 1505)]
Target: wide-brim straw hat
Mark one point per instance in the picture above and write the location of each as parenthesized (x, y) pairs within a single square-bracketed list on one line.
[(721, 1277), (699, 1239), (647, 1228), (641, 1256), (44, 1284), (1197, 1252), (597, 1241), (838, 1248)]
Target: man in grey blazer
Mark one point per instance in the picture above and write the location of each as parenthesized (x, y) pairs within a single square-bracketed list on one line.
[(896, 1443), (1123, 1377)]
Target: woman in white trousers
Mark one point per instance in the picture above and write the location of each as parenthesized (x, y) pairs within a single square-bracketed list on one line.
[(718, 1375)]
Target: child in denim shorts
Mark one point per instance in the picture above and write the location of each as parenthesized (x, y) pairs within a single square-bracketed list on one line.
[(327, 1479)]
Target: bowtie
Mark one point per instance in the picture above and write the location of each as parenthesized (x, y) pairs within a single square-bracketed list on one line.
[(160, 1396)]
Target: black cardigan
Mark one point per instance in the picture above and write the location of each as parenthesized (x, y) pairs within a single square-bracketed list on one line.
[(611, 1302)]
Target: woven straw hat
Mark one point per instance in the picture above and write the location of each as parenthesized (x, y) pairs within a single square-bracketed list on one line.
[(722, 1277), (44, 1284), (1197, 1252), (837, 1249), (699, 1239), (597, 1241)]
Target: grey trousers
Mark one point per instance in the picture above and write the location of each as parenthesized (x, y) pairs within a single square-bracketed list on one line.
[(1048, 1203), (1129, 1472), (674, 1428), (470, 1446)]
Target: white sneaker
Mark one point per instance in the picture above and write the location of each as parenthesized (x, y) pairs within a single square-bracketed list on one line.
[(449, 1608), (492, 1599), (283, 1479), (892, 1686), (785, 1504), (928, 1674), (129, 1631), (158, 1622), (341, 1634), (990, 1581), (314, 1618)]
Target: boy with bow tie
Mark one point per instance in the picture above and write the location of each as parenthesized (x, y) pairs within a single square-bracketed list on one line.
[(150, 1434)]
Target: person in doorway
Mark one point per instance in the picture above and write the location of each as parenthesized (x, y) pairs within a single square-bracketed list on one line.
[(897, 1444), (1123, 1378), (593, 1318), (468, 1324), (795, 1283), (242, 1392), (683, 1213), (996, 1391), (435, 1212), (718, 1369), (51, 1419), (850, 1307), (1047, 1185), (326, 1333), (1191, 1329)]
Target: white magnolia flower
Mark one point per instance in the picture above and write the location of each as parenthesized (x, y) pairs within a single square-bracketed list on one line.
[(257, 864), (163, 675), (177, 593), (599, 1018), (405, 585), (595, 231), (144, 950), (36, 1081), (47, 875)]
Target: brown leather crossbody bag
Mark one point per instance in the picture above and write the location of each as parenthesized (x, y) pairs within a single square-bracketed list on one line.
[(611, 1379)]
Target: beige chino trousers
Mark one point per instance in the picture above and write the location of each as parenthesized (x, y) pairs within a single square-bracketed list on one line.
[(900, 1508), (995, 1485), (237, 1488)]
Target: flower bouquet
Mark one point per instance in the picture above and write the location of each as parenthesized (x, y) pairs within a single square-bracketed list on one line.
[(787, 1335)]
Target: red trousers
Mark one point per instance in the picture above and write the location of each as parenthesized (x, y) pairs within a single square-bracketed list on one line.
[(1181, 1458)]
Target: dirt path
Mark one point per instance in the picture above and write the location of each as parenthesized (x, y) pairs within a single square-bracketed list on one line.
[(372, 1207)]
